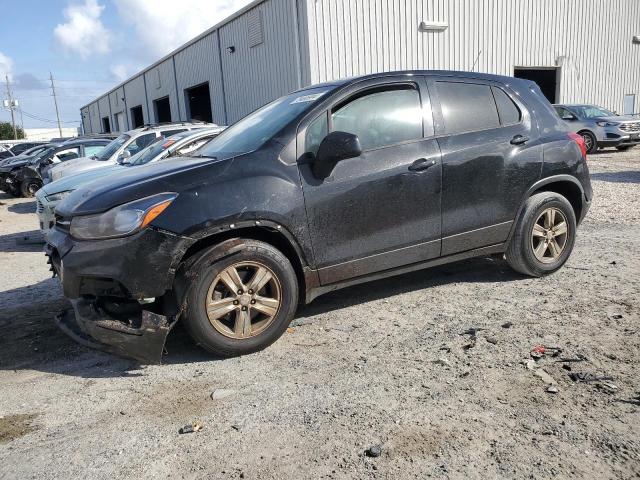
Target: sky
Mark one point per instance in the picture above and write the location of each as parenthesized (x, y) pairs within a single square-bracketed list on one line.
[(89, 46)]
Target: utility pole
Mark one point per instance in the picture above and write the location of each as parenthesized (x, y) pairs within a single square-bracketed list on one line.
[(55, 101), (11, 105)]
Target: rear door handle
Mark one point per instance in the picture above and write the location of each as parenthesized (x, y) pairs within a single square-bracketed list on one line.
[(519, 140), (421, 164)]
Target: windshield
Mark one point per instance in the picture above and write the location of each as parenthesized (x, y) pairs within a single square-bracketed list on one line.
[(112, 147), (152, 151), (256, 128), (591, 111), (47, 152)]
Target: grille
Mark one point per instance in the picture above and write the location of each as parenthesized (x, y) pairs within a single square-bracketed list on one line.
[(39, 206), (630, 127)]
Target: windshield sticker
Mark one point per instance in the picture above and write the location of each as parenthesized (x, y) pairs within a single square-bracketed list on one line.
[(307, 98)]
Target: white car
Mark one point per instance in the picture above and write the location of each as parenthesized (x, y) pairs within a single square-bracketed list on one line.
[(123, 147)]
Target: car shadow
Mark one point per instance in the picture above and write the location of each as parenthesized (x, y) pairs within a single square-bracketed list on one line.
[(23, 207), (625, 176), (31, 340), (30, 241)]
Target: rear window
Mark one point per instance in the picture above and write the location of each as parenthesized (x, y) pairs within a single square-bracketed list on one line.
[(507, 110), (467, 107)]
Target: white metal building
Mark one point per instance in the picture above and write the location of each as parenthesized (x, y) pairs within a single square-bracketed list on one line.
[(582, 51)]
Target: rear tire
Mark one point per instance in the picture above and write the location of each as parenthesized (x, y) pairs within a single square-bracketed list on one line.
[(255, 312), (538, 246), (589, 141)]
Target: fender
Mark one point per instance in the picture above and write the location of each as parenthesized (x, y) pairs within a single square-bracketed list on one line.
[(536, 186)]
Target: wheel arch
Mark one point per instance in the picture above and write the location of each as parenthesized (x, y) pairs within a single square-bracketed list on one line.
[(268, 232), (565, 185)]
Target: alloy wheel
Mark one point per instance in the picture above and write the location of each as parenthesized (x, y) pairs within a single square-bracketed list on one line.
[(588, 141), (243, 300), (549, 235)]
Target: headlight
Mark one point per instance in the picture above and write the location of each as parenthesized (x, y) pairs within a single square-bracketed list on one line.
[(607, 124), (56, 197), (122, 220)]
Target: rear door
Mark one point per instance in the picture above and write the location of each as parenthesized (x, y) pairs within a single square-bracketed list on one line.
[(490, 157), (380, 210)]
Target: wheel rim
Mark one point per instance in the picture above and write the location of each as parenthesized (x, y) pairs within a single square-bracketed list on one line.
[(243, 300), (588, 141), (33, 188), (549, 235)]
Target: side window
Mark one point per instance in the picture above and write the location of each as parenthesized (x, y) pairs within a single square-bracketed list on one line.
[(141, 142), (381, 118), (90, 150), (564, 113), (467, 107), (316, 131), (192, 147), (508, 111), (168, 133), (64, 155)]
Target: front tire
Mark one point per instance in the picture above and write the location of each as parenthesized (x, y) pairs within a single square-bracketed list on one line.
[(590, 141), (544, 235), (28, 188), (243, 302)]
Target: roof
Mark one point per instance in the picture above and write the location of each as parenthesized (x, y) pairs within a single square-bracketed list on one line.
[(217, 26)]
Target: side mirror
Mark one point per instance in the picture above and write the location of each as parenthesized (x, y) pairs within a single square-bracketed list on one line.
[(335, 147), (568, 117), (125, 155)]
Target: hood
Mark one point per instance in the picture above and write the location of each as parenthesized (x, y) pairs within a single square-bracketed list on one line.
[(619, 119), (71, 167), (72, 182), (174, 175), (7, 167)]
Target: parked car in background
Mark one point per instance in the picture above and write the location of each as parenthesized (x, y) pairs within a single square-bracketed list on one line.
[(178, 145), (28, 153), (326, 187), (26, 179), (13, 164), (123, 147), (5, 153), (600, 127), (20, 148)]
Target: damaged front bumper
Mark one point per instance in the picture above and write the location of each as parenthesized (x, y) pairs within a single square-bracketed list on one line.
[(141, 337)]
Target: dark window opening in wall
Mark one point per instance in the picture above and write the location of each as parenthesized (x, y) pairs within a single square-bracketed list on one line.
[(546, 78), (162, 109), (199, 103), (106, 125), (137, 119)]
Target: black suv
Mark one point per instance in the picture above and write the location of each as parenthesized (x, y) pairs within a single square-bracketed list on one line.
[(324, 188)]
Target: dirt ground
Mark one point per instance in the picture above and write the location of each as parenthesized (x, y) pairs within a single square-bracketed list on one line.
[(384, 364)]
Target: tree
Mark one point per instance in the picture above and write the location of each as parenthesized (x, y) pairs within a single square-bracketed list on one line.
[(6, 131)]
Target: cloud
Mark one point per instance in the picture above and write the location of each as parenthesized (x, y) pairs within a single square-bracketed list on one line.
[(6, 66), (161, 26), (27, 81), (83, 32), (119, 72)]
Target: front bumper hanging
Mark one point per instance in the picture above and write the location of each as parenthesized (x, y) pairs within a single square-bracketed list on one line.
[(142, 340)]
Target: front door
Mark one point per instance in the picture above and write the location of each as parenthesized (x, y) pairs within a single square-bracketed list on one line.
[(380, 210), (490, 157)]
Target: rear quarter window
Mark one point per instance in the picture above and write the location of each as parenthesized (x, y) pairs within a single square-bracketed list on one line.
[(467, 107), (507, 110)]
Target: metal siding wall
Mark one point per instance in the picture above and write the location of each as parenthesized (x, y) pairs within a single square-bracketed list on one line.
[(590, 39), (134, 91), (255, 76), (86, 121), (167, 87), (96, 125), (197, 64), (117, 106), (103, 105)]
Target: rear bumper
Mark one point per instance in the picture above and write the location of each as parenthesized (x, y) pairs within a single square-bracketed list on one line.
[(140, 339)]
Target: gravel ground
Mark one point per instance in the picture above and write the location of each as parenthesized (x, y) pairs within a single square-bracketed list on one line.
[(384, 364)]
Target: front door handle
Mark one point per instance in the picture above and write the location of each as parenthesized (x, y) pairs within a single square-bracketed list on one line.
[(519, 140), (421, 164)]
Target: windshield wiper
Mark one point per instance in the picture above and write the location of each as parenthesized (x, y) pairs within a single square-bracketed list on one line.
[(205, 156)]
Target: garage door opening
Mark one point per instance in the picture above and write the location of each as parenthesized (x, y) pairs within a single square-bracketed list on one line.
[(137, 119), (162, 108), (546, 78), (199, 103), (106, 125)]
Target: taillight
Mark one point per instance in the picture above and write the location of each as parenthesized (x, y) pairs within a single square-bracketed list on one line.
[(580, 141)]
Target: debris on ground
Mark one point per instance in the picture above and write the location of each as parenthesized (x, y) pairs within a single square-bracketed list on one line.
[(191, 428), (552, 389), (220, 393), (540, 351), (507, 325), (587, 377), (374, 451), (291, 330), (577, 358), (546, 378), (492, 340)]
